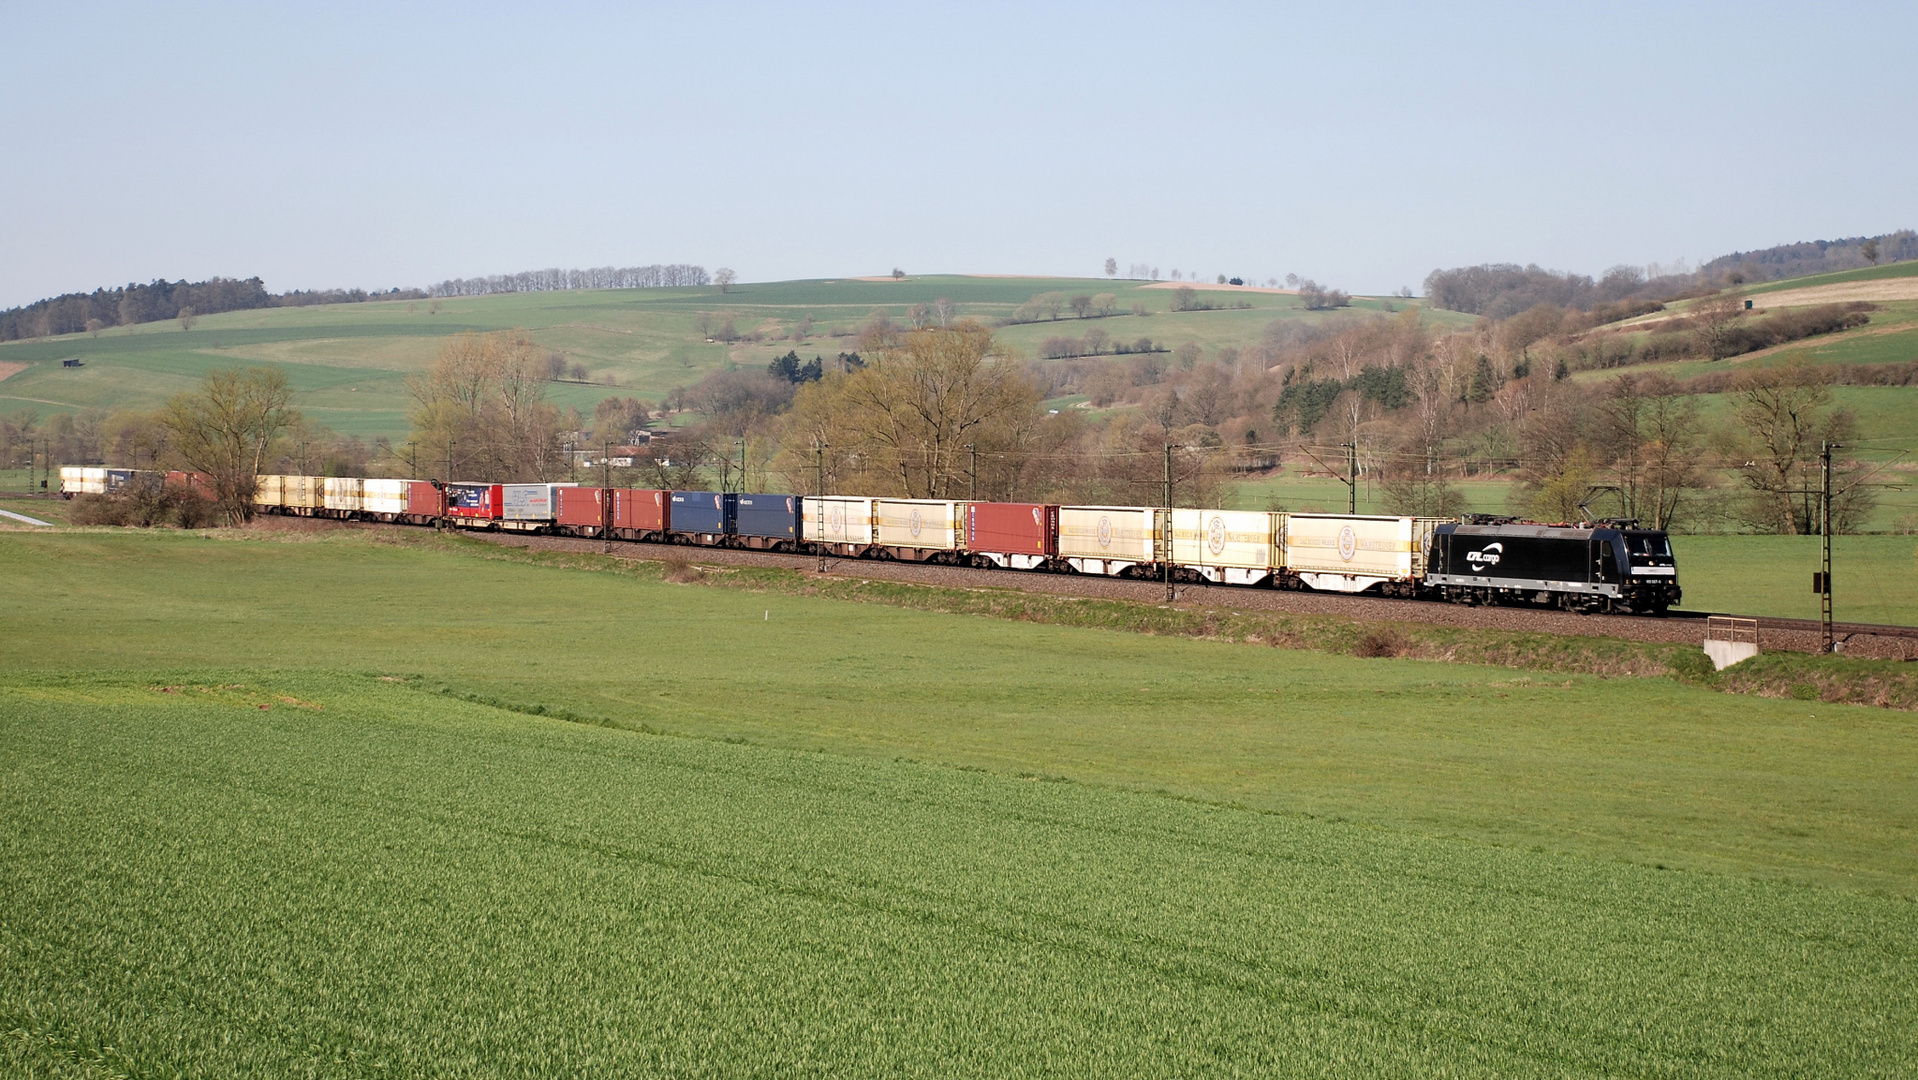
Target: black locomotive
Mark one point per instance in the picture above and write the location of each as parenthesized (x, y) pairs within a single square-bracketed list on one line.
[(1610, 567)]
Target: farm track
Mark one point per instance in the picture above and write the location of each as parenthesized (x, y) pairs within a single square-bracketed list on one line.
[(1789, 635)]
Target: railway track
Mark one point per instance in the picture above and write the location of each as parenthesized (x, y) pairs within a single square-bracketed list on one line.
[(1794, 635)]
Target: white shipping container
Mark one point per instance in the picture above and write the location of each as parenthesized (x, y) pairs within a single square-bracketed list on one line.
[(1239, 547), (529, 502), (1353, 552), (82, 480), (341, 493), (1122, 534), (932, 524), (833, 519), (383, 496)]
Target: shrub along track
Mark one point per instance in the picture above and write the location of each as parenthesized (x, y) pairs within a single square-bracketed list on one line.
[(1787, 635)]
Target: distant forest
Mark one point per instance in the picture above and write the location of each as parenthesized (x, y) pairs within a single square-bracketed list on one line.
[(655, 276), (1501, 290), (160, 300)]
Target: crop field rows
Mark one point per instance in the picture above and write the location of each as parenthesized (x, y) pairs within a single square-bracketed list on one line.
[(364, 878)]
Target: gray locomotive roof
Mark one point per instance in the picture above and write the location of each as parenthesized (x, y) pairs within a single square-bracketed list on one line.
[(1547, 532)]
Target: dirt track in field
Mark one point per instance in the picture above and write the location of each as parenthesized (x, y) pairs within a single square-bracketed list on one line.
[(1905, 288)]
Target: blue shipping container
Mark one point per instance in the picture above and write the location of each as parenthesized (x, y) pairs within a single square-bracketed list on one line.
[(703, 512), (776, 516)]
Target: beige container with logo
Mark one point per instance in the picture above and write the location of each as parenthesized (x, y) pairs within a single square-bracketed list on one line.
[(1238, 547), (1353, 552), (833, 519), (1108, 539), (932, 524)]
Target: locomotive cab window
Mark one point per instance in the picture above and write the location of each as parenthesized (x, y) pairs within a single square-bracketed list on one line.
[(1649, 545)]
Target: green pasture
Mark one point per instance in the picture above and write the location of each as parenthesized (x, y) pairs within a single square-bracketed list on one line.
[(285, 804), (1875, 578), (349, 363), (1484, 753), (272, 873)]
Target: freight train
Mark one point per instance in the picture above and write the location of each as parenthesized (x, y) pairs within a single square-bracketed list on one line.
[(1608, 566)]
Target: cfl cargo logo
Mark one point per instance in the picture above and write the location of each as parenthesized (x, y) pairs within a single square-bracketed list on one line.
[(1215, 535), (1105, 531), (1487, 557), (1348, 543), (914, 524), (836, 520)]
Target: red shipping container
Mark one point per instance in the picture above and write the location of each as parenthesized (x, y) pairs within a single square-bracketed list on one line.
[(422, 499), (1013, 528), (641, 509), (200, 483), (581, 506)]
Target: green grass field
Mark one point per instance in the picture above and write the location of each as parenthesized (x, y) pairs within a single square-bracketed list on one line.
[(1455, 749), (277, 805), (366, 880)]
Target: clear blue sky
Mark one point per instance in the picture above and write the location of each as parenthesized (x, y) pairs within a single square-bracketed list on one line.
[(1360, 145)]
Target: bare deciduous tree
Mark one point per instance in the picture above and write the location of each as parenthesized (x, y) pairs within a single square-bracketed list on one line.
[(903, 422), (1784, 413), (187, 318), (227, 428), (1712, 319), (1112, 268), (485, 398), (724, 278)]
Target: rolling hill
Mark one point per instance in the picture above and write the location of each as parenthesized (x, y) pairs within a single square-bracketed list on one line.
[(349, 363)]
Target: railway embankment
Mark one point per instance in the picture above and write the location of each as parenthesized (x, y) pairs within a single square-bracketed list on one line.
[(1544, 642)]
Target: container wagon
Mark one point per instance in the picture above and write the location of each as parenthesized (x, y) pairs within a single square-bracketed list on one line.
[(837, 524), (583, 511), (1353, 553), (473, 505), (1231, 547), (1018, 536), (919, 530), (425, 502), (340, 495), (384, 500), (642, 513), (767, 522), (529, 507), (1109, 540), (703, 517)]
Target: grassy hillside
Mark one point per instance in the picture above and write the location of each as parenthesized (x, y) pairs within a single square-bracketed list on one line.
[(297, 818), (350, 362)]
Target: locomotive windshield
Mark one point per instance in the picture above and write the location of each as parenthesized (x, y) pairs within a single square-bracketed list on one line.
[(1656, 545)]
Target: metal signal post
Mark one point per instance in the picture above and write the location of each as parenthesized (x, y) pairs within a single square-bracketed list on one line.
[(819, 491), (1352, 477), (606, 495), (1165, 532), (1824, 579)]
